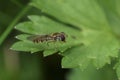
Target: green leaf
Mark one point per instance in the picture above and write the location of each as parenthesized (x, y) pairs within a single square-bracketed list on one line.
[(112, 12), (81, 13), (25, 46), (27, 27), (117, 68), (92, 16), (49, 52), (23, 36), (106, 73), (99, 24), (42, 25), (99, 48)]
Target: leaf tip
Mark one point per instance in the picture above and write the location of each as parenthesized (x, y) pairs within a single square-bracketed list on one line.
[(29, 17), (15, 27), (45, 55), (16, 37), (11, 48), (63, 66), (31, 52)]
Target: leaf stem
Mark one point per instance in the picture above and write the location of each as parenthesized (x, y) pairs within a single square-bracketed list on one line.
[(13, 23)]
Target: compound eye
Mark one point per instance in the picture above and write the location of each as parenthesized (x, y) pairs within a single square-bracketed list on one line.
[(63, 38)]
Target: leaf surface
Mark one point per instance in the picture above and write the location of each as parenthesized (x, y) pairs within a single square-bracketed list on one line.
[(97, 23), (97, 50)]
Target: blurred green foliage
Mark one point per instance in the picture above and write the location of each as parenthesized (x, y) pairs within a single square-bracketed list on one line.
[(15, 66), (92, 41)]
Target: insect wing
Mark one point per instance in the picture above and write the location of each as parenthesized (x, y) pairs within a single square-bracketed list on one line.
[(36, 38)]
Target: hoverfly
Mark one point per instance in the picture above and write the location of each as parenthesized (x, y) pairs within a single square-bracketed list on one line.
[(59, 36), (48, 38)]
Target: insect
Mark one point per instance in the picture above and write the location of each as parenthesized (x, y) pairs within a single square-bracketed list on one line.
[(48, 38), (40, 38), (59, 36)]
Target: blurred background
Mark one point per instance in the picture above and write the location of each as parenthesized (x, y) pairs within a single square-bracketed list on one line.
[(20, 65)]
